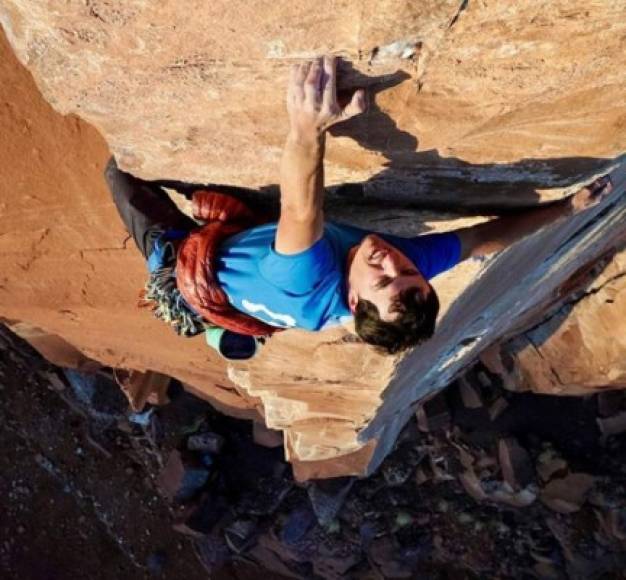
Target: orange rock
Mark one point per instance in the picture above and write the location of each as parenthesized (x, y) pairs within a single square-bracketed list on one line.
[(580, 349), (54, 348), (142, 388), (494, 106), (202, 99)]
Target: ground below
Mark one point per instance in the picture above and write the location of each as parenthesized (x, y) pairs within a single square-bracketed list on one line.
[(482, 484), (78, 498)]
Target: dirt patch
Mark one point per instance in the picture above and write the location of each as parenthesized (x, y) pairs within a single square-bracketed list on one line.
[(76, 501)]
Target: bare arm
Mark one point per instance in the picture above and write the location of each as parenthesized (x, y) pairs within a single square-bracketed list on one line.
[(301, 194), (313, 108), (498, 234)]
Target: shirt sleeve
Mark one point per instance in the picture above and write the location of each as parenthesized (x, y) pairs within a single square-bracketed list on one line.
[(299, 273), (431, 253)]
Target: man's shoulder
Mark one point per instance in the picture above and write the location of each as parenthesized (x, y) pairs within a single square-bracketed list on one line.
[(260, 237), (432, 253)]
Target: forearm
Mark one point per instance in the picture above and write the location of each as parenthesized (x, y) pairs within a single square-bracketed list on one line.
[(498, 234), (312, 107), (302, 177)]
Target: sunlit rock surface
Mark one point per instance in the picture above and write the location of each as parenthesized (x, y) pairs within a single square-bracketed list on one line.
[(507, 94)]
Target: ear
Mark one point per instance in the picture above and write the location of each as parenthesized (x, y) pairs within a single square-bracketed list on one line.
[(353, 300)]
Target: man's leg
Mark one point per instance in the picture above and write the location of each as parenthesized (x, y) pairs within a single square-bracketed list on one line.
[(146, 209)]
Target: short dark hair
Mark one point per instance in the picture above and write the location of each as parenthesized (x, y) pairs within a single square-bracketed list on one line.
[(415, 322)]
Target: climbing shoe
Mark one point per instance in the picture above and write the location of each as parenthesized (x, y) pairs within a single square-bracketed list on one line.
[(231, 345)]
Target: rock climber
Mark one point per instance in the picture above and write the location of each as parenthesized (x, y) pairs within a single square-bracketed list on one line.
[(252, 278)]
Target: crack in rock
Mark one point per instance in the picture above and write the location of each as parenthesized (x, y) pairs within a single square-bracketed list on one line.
[(455, 18), (36, 253)]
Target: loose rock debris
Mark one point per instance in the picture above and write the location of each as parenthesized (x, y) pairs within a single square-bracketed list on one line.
[(467, 493), (76, 500)]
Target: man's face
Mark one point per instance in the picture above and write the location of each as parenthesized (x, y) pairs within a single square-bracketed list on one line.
[(378, 272)]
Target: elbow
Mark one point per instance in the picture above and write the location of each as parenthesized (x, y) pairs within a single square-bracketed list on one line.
[(487, 248), (479, 242)]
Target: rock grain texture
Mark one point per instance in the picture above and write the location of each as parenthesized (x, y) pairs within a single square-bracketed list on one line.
[(472, 105), (580, 348), (515, 95)]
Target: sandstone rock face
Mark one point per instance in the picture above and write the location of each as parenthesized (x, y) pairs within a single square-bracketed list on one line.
[(579, 349), (474, 105), (510, 94)]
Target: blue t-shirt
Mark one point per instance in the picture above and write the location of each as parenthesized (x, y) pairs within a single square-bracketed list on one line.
[(307, 290)]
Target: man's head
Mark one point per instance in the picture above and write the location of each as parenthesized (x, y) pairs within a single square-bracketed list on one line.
[(394, 306)]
